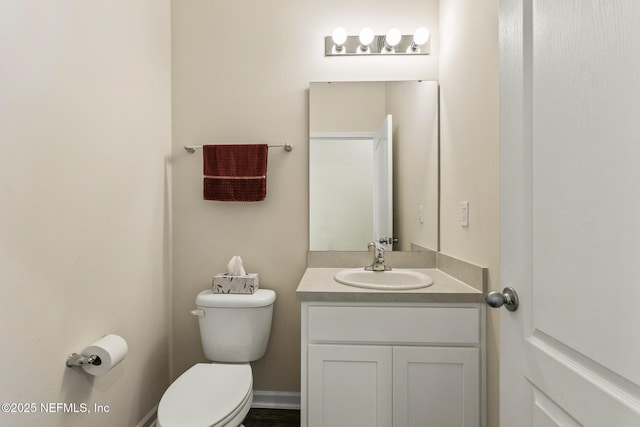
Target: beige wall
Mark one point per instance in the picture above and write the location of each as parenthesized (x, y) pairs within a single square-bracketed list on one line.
[(85, 113), (346, 107), (469, 84), (255, 89)]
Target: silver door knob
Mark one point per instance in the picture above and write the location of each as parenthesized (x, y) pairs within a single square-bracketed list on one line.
[(388, 240), (508, 297)]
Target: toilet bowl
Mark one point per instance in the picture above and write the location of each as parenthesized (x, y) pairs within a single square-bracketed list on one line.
[(208, 395), (235, 330)]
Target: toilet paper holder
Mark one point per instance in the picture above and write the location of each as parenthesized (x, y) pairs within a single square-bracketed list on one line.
[(76, 359)]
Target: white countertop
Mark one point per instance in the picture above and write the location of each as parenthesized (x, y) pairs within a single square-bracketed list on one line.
[(318, 284)]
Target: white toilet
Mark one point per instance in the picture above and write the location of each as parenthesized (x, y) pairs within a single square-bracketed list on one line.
[(235, 330)]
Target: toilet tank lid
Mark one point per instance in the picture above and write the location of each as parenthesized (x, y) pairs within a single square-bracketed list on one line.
[(260, 298)]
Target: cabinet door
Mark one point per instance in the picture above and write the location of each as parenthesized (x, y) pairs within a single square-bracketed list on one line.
[(436, 387), (349, 386)]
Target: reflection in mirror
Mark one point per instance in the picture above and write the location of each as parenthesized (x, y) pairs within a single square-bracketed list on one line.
[(373, 165)]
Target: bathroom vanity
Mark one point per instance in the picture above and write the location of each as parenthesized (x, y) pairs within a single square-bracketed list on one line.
[(389, 353), (391, 357)]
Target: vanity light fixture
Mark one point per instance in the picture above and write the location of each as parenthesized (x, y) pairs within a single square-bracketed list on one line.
[(368, 43)]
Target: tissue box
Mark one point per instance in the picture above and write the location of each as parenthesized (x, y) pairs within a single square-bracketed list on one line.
[(228, 284)]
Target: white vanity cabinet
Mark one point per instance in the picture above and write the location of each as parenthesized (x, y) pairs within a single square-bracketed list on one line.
[(392, 364)]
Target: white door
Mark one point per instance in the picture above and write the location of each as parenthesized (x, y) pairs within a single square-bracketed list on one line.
[(383, 182), (570, 212)]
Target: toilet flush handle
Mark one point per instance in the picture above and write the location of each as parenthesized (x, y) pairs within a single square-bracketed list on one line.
[(199, 313)]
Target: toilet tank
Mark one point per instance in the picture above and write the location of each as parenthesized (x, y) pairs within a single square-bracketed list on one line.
[(235, 327)]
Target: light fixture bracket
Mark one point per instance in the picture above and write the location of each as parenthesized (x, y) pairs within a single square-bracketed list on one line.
[(377, 47)]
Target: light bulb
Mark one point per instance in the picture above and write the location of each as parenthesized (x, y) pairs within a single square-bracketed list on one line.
[(420, 37), (392, 39), (339, 36), (366, 38)]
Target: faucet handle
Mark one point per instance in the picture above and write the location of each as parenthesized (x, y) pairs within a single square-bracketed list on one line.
[(371, 246)]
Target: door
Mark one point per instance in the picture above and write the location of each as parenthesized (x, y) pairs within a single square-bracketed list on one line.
[(383, 182), (349, 385), (340, 191), (436, 386), (570, 203)]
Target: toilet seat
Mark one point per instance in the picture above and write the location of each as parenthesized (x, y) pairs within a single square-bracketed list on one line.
[(207, 395)]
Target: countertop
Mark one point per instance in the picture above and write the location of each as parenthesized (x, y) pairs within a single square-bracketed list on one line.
[(318, 284)]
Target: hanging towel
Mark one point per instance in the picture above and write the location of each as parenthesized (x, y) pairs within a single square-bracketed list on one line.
[(235, 172)]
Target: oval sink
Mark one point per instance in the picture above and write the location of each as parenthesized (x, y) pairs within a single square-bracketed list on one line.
[(396, 279)]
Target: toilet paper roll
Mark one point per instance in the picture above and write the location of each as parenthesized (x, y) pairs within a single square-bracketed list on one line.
[(111, 349)]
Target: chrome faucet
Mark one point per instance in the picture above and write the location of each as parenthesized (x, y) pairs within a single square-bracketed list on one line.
[(378, 257)]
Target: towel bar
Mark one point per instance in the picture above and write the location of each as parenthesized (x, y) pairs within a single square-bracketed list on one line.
[(192, 148)]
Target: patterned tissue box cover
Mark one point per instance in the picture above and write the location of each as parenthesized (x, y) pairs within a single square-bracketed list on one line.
[(228, 284)]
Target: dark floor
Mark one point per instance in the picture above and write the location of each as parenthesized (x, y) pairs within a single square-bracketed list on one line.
[(272, 418)]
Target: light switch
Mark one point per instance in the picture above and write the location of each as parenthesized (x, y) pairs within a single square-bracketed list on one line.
[(464, 214)]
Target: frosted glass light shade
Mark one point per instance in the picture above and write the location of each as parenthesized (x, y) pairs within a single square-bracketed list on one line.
[(421, 36), (366, 37), (393, 38), (339, 36)]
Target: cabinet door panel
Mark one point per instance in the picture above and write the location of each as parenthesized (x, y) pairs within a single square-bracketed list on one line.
[(436, 387), (349, 386)]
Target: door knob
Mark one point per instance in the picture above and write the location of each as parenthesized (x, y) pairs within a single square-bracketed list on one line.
[(388, 240), (508, 297)]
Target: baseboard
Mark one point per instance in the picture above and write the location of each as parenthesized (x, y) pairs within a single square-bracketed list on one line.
[(276, 400), (150, 419), (261, 399)]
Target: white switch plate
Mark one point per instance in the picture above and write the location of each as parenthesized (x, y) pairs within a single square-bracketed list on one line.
[(464, 214), (421, 214)]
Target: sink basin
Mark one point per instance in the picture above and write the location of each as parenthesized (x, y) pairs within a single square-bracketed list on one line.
[(396, 279)]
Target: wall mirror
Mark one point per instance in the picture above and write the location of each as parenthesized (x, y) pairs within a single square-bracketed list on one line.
[(373, 165)]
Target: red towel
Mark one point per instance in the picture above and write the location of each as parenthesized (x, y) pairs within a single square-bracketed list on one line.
[(235, 173)]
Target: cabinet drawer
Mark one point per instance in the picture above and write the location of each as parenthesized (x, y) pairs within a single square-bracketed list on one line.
[(438, 325)]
